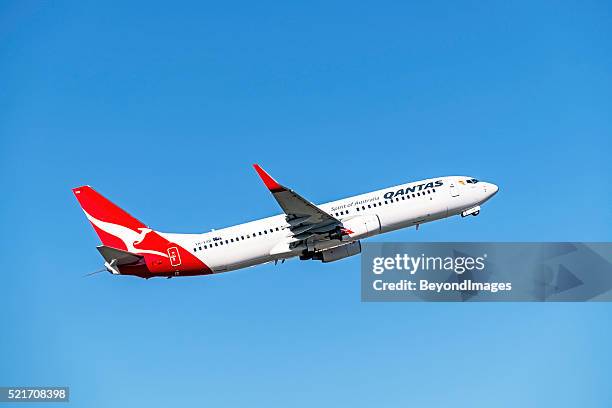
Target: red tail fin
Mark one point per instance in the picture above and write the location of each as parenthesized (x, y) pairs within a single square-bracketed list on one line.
[(119, 230), (115, 227)]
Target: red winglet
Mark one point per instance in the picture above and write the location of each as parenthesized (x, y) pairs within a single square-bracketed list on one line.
[(272, 185)]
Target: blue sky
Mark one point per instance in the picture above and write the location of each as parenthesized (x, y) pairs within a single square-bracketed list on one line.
[(163, 108)]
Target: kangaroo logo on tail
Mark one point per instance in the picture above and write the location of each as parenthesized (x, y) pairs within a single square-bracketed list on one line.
[(129, 237)]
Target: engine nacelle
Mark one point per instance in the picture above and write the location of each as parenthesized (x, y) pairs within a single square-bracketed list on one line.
[(339, 252), (362, 226)]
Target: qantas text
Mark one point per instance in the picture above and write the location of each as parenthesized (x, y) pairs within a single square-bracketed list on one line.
[(412, 189)]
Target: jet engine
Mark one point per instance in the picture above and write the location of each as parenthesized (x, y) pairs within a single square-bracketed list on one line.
[(361, 226), (339, 252)]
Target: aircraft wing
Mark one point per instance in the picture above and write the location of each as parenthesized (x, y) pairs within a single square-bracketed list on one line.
[(305, 219)]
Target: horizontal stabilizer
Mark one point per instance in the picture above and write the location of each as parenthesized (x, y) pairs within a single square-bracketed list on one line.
[(121, 257)]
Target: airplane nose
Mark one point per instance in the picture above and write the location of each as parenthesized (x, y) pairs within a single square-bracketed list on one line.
[(491, 189)]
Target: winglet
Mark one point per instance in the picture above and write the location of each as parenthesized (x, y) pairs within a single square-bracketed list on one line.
[(272, 184)]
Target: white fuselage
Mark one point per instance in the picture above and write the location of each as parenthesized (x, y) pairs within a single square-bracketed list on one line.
[(384, 210)]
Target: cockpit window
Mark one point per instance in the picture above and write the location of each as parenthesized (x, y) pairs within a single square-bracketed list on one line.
[(472, 181)]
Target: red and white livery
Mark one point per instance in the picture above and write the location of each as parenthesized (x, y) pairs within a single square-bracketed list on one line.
[(326, 232)]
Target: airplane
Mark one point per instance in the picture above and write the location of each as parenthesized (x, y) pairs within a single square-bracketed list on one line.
[(326, 232)]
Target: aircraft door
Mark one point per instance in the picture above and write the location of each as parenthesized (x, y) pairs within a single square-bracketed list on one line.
[(454, 190), (174, 256)]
